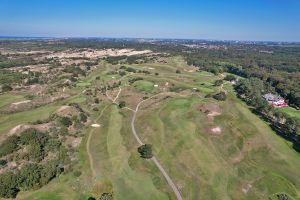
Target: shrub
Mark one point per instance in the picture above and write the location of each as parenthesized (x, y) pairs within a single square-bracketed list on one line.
[(66, 121), (9, 145), (77, 173), (178, 71), (82, 117), (6, 88), (230, 77), (3, 163), (145, 151), (218, 82), (122, 104), (8, 183), (220, 96)]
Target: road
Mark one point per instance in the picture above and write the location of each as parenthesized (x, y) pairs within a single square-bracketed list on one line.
[(156, 162)]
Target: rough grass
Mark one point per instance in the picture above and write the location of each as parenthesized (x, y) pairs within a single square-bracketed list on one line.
[(7, 98), (143, 85), (220, 167)]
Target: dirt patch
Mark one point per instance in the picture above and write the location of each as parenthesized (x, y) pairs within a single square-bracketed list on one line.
[(211, 110), (9, 166), (93, 53), (246, 188), (66, 111), (73, 141), (23, 127), (29, 104), (21, 102)]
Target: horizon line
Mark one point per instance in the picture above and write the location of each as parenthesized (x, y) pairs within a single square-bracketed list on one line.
[(146, 38)]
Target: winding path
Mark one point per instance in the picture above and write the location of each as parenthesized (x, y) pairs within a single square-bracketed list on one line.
[(156, 162)]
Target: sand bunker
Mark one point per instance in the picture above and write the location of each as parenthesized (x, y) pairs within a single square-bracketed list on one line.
[(95, 125), (211, 110), (21, 102), (216, 130)]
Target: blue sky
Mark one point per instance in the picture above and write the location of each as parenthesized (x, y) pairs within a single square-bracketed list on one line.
[(276, 20)]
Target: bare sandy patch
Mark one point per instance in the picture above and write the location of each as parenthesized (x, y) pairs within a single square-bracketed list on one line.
[(73, 141), (95, 53), (21, 102), (246, 188), (211, 110), (216, 130), (95, 125), (66, 111)]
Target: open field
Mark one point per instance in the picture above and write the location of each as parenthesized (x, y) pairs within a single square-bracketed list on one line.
[(211, 149)]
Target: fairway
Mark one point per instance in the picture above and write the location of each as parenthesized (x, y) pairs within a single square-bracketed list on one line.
[(290, 111)]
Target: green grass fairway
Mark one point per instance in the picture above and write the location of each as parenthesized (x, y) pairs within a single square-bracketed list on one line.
[(111, 162), (83, 84), (290, 111), (6, 99), (145, 86)]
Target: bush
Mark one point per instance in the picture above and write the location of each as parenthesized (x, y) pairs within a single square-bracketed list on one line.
[(145, 151), (83, 117), (220, 96), (8, 185), (218, 82), (77, 173), (66, 121), (6, 88), (96, 101), (9, 145), (3, 163), (230, 77), (122, 104), (178, 71)]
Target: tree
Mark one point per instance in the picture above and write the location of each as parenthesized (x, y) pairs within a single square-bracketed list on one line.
[(106, 196), (6, 88), (230, 77), (83, 117), (220, 96), (218, 82), (3, 163), (122, 104), (8, 185), (66, 121), (29, 177), (145, 151)]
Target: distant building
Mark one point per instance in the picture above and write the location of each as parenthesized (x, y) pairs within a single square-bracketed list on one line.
[(275, 100)]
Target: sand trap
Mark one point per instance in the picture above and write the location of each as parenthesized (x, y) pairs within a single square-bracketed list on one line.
[(213, 114), (217, 130), (95, 125), (246, 188), (21, 102)]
